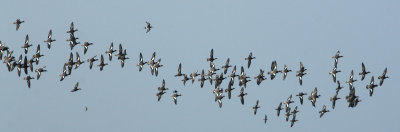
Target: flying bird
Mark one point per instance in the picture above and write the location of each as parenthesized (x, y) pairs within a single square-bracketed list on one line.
[(76, 87), (226, 66), (249, 58), (49, 39), (363, 72), (91, 60), (78, 61), (285, 71), (371, 86), (110, 51), (333, 100), (148, 27), (86, 46), (141, 63), (26, 44), (382, 77), (279, 109), (102, 64), (241, 95), (336, 57), (28, 80), (255, 107), (39, 72), (18, 22), (301, 94), (323, 111), (175, 96)]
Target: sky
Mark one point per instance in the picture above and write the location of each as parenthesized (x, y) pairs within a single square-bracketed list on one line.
[(184, 31)]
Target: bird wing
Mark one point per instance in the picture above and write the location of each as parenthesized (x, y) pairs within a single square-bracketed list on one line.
[(27, 39), (363, 67), (50, 34)]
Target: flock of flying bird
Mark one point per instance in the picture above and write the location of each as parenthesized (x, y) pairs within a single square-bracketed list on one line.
[(243, 79)]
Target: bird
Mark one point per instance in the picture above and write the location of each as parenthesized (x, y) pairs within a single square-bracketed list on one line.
[(72, 29), (18, 22), (86, 46), (72, 41), (352, 98), (249, 58), (162, 88), (333, 100), (209, 76), (3, 48), (37, 55), (371, 86), (243, 78), (313, 97), (78, 61), (279, 109), (110, 51), (179, 70), (49, 39), (19, 65), (288, 102), (336, 57), (295, 111), (212, 68), (193, 76), (229, 89), (76, 87), (39, 72), (156, 66), (351, 79), (265, 119), (338, 87), (293, 121), (287, 114), (141, 63), (28, 80), (273, 70), (70, 63), (86, 109), (301, 94), (8, 59), (363, 72), (382, 77), (241, 95), (323, 111), (64, 73), (175, 96), (185, 78), (285, 71), (233, 74), (219, 98), (211, 59), (260, 77), (151, 62), (102, 64), (148, 27), (159, 94), (300, 73), (26, 44), (226, 66), (255, 107), (91, 60), (202, 79), (123, 58), (333, 73)]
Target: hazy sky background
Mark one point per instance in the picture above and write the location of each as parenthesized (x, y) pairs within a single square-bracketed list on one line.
[(123, 99)]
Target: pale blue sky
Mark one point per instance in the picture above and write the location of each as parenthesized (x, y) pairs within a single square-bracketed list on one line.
[(184, 31)]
